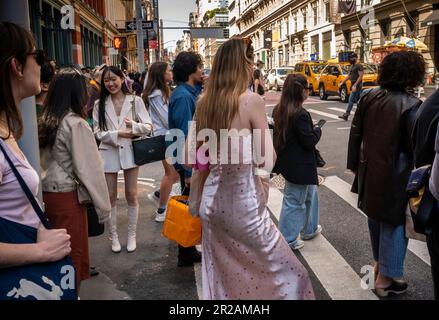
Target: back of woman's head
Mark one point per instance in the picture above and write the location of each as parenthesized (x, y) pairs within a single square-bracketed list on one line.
[(16, 42), (231, 72), (257, 74), (156, 80), (401, 70), (104, 93), (67, 92), (291, 101)]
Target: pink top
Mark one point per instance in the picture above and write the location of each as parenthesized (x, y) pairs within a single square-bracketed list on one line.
[(14, 205)]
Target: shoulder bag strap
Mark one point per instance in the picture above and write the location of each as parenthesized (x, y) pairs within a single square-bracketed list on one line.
[(27, 191), (72, 175), (164, 123)]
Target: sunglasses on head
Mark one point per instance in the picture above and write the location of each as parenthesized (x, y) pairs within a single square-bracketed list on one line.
[(40, 56), (247, 41)]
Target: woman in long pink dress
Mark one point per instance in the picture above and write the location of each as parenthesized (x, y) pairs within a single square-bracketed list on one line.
[(244, 254)]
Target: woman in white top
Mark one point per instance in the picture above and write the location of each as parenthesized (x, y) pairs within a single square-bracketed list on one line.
[(115, 124), (156, 97)]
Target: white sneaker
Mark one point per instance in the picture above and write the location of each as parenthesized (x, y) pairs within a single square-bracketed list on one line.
[(313, 235), (160, 217), (299, 245)]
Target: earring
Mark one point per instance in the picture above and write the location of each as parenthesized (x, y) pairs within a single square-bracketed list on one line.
[(20, 78)]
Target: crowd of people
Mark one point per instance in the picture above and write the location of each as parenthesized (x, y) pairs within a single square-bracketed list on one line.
[(87, 123)]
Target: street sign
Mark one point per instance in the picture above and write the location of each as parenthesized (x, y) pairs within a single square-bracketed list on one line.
[(131, 25), (205, 33)]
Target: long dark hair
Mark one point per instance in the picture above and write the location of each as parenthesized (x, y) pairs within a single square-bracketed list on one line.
[(290, 104), (16, 42), (67, 92), (105, 93), (156, 80)]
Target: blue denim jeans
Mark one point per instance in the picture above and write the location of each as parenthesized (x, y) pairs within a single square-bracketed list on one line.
[(353, 98), (300, 211), (389, 246)]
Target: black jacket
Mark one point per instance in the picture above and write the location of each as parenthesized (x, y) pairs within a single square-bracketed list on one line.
[(424, 132), (381, 153), (296, 160)]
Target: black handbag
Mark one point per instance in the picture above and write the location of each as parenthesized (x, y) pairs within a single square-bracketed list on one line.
[(94, 227), (148, 149), (319, 159)]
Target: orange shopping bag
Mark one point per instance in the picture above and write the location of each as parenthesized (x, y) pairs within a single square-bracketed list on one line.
[(180, 226)]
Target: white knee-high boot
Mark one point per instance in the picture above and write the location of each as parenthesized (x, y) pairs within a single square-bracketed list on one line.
[(115, 245), (133, 213)]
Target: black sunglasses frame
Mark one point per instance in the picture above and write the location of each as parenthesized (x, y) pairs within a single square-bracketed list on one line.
[(40, 56)]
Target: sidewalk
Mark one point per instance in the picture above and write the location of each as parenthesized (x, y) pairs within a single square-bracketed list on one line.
[(149, 273)]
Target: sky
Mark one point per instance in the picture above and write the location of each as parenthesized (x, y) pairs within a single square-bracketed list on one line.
[(175, 13)]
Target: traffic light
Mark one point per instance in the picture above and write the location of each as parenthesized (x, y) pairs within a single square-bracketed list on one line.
[(120, 43)]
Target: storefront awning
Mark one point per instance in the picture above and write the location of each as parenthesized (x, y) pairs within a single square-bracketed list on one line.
[(432, 19)]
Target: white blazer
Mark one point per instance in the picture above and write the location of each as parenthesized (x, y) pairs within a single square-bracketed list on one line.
[(116, 152)]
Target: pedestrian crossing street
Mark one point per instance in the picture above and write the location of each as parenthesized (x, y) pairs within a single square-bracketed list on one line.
[(338, 278), (329, 113)]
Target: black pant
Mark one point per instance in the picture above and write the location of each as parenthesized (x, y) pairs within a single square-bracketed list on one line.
[(185, 254), (433, 249)]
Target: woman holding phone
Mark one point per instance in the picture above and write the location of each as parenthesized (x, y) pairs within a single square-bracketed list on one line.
[(295, 139)]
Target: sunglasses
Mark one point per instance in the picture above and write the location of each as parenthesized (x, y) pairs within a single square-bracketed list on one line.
[(247, 41), (40, 56)]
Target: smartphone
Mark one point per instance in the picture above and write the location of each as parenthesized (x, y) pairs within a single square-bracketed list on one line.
[(321, 123)]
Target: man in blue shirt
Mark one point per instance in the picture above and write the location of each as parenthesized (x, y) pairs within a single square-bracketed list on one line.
[(188, 74)]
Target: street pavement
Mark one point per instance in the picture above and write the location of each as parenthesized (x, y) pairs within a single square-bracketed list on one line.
[(336, 260)]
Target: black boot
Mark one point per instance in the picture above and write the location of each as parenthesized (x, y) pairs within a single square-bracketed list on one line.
[(187, 256), (345, 116)]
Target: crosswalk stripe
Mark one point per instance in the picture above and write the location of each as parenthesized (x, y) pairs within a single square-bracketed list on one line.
[(342, 189), (339, 109), (321, 113), (340, 281), (198, 281)]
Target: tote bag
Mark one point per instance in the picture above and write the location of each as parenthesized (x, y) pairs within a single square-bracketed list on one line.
[(42, 281)]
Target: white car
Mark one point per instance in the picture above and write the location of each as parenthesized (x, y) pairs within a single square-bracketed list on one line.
[(275, 78)]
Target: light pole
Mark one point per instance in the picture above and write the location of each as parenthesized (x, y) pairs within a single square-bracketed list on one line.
[(139, 31)]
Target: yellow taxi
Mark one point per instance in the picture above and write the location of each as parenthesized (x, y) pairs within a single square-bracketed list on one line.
[(311, 70), (334, 73)]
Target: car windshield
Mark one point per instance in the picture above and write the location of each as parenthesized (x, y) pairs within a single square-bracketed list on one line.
[(284, 72), (317, 68), (368, 69)]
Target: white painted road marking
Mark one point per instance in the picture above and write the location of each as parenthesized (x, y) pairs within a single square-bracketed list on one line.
[(346, 128), (339, 109), (342, 189), (334, 273), (321, 113)]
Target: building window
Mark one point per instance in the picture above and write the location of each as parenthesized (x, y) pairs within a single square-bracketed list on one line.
[(347, 38), (315, 14), (412, 20), (327, 11), (295, 23), (304, 18), (385, 30)]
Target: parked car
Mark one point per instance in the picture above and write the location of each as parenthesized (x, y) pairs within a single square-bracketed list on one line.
[(311, 70), (275, 78), (334, 73)]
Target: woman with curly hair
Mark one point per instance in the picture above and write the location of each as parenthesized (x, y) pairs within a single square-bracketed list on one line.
[(381, 156)]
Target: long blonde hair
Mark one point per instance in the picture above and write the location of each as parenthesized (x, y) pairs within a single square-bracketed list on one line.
[(231, 72)]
